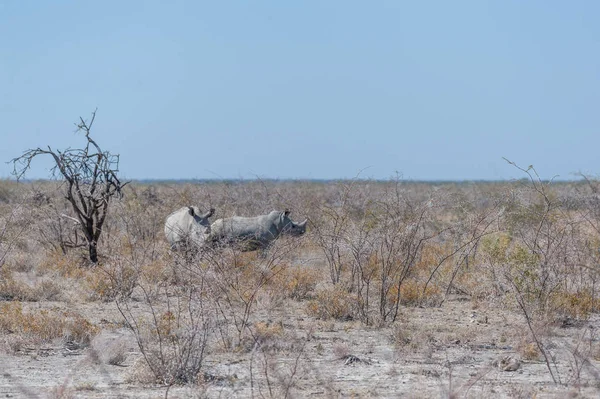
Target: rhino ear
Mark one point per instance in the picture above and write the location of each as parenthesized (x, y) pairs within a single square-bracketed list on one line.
[(287, 212), (191, 211)]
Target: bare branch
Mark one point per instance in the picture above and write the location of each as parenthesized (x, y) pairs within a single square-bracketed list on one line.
[(91, 176)]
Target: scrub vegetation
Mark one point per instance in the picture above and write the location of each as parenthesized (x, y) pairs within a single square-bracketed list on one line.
[(396, 284)]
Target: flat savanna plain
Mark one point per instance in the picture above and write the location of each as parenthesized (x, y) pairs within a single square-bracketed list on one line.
[(398, 289)]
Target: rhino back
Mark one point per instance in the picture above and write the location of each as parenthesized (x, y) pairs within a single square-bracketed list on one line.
[(237, 227)]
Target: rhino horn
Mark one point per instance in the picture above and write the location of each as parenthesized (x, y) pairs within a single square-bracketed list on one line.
[(302, 224), (209, 213)]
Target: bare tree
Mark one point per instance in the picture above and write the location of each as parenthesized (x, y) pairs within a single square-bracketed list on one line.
[(90, 175)]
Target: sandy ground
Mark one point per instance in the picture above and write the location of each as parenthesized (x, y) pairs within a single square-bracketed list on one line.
[(452, 351)]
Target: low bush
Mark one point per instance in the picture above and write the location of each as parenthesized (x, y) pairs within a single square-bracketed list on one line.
[(297, 283), (110, 281), (45, 325), (334, 302)]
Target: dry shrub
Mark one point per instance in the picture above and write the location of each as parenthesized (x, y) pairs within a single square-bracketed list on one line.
[(140, 372), (117, 355), (45, 325), (341, 350), (438, 267), (166, 325), (11, 289), (78, 329), (431, 254), (126, 247), (14, 289), (173, 342), (495, 247), (413, 293), (523, 337), (295, 282), (66, 265), (334, 302), (61, 392), (9, 190), (236, 281), (179, 361), (518, 391), (112, 280), (264, 333), (270, 375), (529, 350), (577, 305), (108, 350), (473, 282), (402, 335), (595, 351), (46, 290), (489, 275), (20, 261), (155, 272), (267, 330), (415, 336), (408, 336), (12, 343), (88, 386)]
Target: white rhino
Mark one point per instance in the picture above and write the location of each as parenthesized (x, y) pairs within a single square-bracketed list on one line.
[(187, 227), (255, 232)]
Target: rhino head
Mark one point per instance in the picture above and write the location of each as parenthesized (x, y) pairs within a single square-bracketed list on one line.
[(193, 211), (290, 227), (201, 226)]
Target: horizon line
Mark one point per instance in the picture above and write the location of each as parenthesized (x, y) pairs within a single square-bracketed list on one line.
[(308, 180)]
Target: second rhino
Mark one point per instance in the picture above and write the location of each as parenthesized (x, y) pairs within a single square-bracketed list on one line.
[(257, 232)]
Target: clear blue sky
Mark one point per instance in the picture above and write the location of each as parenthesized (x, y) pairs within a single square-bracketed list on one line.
[(307, 89)]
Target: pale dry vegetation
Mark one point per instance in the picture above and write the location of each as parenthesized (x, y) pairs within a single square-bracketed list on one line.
[(417, 270)]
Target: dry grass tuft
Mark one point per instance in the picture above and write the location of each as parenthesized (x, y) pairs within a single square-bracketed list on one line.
[(529, 351), (297, 283), (61, 392), (65, 265), (13, 289), (86, 386), (264, 332), (21, 261), (9, 190), (45, 325), (332, 303), (46, 290), (341, 350), (155, 272), (110, 281), (577, 305), (408, 337), (413, 292)]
